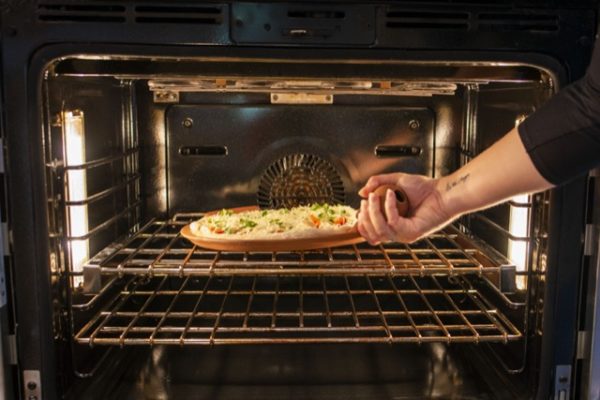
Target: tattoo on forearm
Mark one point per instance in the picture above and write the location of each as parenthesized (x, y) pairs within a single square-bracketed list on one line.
[(452, 185)]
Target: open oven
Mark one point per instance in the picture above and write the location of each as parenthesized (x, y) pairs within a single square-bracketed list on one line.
[(124, 121)]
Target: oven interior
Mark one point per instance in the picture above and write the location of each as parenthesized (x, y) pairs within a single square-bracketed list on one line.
[(135, 148)]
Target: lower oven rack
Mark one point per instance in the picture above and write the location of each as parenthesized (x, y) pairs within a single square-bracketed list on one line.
[(220, 310)]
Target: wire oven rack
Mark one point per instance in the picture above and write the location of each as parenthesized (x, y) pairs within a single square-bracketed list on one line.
[(158, 249), (161, 289), (215, 310)]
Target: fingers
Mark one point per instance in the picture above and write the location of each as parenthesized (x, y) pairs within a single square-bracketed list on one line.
[(365, 227), (391, 209), (377, 180), (398, 225), (372, 224), (380, 225), (372, 184)]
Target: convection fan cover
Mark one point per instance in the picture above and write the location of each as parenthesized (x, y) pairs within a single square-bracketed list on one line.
[(300, 179)]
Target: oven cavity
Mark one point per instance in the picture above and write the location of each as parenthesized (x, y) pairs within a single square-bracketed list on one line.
[(136, 148)]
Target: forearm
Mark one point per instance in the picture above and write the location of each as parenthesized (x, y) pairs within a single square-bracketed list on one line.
[(500, 172)]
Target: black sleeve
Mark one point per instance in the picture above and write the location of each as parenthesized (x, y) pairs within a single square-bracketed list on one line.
[(563, 136)]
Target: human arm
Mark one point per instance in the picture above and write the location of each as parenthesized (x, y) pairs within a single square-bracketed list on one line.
[(555, 144), (500, 172)]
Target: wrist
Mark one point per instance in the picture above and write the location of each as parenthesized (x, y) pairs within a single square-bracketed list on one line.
[(453, 194)]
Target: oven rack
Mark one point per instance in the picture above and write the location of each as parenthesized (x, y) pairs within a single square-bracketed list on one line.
[(221, 310), (158, 249)]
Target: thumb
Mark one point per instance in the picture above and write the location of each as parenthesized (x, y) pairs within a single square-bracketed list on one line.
[(377, 180)]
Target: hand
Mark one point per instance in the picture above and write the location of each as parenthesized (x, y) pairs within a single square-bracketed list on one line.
[(427, 212)]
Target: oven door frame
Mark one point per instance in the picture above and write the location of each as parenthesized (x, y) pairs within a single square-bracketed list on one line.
[(566, 204), (588, 343), (26, 49)]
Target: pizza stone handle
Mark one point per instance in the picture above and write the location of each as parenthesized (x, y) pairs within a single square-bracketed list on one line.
[(401, 199)]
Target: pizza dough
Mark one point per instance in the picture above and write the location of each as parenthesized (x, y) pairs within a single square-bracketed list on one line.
[(295, 223)]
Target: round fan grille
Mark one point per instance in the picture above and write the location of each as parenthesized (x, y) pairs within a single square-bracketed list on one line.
[(300, 179)]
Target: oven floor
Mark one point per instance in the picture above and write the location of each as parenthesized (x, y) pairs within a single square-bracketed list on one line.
[(322, 372)]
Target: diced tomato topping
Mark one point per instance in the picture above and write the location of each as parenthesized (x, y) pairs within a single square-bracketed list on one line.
[(214, 229), (315, 220), (340, 220)]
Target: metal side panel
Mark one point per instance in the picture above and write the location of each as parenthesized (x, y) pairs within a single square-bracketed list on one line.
[(4, 361), (589, 337), (8, 352)]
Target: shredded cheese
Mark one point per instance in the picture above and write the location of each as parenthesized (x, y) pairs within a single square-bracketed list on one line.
[(297, 222)]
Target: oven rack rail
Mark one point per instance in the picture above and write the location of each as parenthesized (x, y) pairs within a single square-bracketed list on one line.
[(158, 249), (236, 310)]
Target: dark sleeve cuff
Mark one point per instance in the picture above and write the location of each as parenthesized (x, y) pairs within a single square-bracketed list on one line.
[(563, 136)]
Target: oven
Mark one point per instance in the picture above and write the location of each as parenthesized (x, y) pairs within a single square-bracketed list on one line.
[(124, 121)]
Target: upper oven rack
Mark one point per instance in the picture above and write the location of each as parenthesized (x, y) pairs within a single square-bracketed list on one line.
[(158, 249)]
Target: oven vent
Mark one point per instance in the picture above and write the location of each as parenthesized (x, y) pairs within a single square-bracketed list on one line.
[(192, 14), (316, 14), (403, 19), (497, 21), (530, 21), (300, 179), (61, 12)]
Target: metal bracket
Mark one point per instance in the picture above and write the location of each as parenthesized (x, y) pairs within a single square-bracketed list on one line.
[(301, 98), (583, 345), (12, 349), (166, 96), (92, 279), (32, 385), (508, 278), (562, 382), (590, 240)]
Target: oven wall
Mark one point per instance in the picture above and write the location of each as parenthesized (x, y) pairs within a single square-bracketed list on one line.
[(257, 134)]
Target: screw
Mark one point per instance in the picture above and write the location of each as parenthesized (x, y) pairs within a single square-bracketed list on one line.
[(414, 124), (563, 379), (267, 27), (31, 385), (56, 121), (275, 97), (188, 123)]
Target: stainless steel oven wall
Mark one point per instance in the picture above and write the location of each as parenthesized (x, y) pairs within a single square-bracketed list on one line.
[(341, 139)]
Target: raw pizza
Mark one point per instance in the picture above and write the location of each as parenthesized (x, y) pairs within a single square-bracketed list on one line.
[(316, 220)]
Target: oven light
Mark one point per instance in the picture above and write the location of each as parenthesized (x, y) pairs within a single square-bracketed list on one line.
[(76, 189), (518, 227)]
